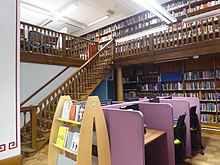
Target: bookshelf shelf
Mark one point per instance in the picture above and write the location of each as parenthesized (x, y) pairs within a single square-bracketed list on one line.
[(208, 111), (62, 148), (69, 121)]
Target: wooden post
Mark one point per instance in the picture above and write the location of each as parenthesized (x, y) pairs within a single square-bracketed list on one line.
[(34, 127), (120, 94), (63, 45), (113, 49), (151, 43)]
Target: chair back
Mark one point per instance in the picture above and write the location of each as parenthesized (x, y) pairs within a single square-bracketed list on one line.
[(34, 37), (180, 129), (194, 120)]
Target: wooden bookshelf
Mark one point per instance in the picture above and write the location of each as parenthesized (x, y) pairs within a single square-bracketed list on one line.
[(198, 78), (92, 115)]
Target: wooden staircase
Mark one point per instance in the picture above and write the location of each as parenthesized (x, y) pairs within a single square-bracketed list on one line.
[(38, 118)]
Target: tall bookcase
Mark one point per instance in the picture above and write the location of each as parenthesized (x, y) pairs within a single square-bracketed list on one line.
[(192, 77), (146, 20)]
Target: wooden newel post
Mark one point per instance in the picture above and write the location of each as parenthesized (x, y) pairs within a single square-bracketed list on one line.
[(93, 114), (34, 127)]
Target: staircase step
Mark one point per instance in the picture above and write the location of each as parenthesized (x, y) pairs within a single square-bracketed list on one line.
[(76, 93), (92, 74), (27, 151), (88, 88), (29, 142), (93, 83)]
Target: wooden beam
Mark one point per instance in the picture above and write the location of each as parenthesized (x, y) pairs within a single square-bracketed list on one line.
[(51, 60)]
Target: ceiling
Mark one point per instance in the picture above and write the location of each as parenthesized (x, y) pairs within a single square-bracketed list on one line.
[(76, 21)]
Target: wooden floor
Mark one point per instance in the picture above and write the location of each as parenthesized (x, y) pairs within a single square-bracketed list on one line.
[(211, 143)]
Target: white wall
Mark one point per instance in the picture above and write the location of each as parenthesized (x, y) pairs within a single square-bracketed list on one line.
[(33, 76), (9, 79)]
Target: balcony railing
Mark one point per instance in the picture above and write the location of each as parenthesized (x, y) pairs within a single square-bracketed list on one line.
[(42, 41), (177, 35)]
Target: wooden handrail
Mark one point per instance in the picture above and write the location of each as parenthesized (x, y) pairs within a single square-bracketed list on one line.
[(86, 63), (46, 84), (96, 54)]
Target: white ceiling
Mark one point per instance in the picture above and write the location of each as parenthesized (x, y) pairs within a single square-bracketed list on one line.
[(87, 12)]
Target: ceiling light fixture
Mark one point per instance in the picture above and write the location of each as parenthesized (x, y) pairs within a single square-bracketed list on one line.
[(141, 34), (202, 16), (65, 11), (157, 10), (171, 60), (35, 9), (98, 20)]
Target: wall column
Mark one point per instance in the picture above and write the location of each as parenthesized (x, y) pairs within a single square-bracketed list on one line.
[(10, 149), (119, 83)]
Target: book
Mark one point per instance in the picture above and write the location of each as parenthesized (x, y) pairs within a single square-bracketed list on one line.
[(66, 110), (77, 112), (80, 115), (75, 142), (62, 160), (61, 136), (72, 112), (69, 140)]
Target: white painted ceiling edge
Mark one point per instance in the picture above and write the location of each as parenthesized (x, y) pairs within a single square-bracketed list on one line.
[(87, 11)]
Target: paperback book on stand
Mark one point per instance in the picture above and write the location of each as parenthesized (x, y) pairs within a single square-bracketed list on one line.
[(61, 136)]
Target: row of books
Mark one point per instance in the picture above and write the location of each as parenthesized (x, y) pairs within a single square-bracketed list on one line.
[(173, 94), (203, 6), (198, 75), (129, 29), (185, 3), (72, 111), (199, 85), (191, 94), (187, 10), (217, 73), (207, 118), (136, 44), (210, 107), (172, 86), (207, 96), (149, 87), (149, 78), (67, 139)]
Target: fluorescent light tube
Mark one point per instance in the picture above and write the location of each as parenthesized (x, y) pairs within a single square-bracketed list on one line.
[(65, 12), (68, 10), (202, 16), (98, 20), (157, 10), (164, 61), (141, 34), (35, 9)]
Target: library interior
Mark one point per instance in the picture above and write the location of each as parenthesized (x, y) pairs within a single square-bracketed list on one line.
[(121, 82)]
